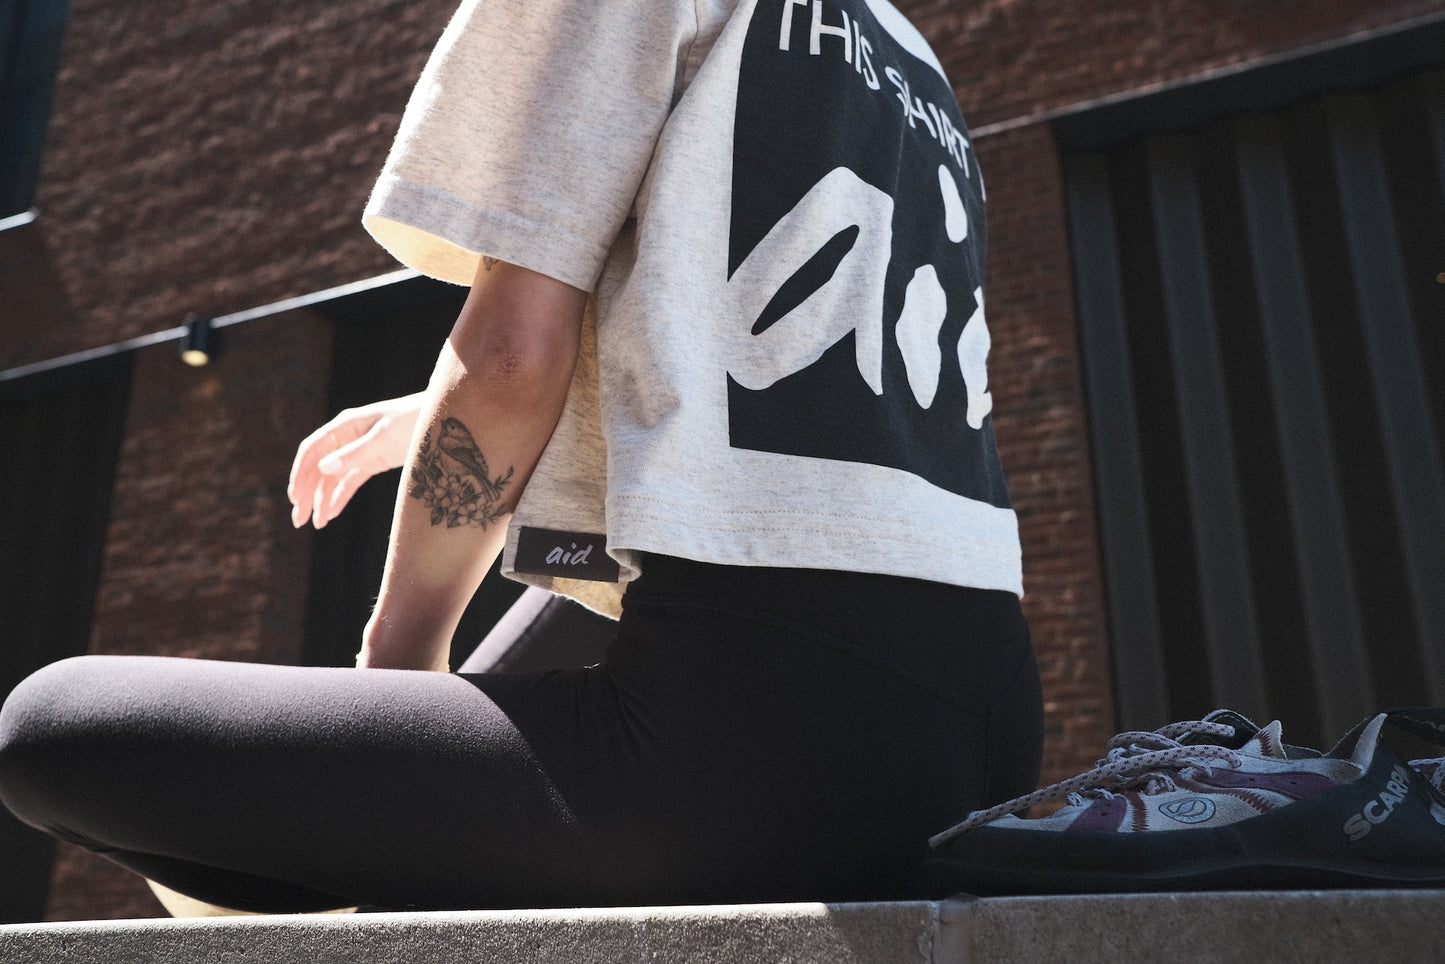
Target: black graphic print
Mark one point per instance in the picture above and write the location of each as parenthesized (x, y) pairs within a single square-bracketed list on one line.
[(857, 252)]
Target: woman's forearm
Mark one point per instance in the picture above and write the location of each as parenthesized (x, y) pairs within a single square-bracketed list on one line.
[(495, 397)]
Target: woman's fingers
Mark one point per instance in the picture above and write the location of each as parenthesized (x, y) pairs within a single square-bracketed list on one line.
[(335, 460)]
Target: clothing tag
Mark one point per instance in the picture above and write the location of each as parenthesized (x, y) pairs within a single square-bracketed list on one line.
[(569, 555)]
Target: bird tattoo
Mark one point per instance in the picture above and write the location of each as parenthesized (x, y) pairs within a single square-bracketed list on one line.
[(452, 479)]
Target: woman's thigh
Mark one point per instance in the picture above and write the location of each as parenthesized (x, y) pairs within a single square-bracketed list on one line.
[(387, 787)]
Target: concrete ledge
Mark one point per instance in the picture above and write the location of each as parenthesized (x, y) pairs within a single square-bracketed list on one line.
[(1399, 926)]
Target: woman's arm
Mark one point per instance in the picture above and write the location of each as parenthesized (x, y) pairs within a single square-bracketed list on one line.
[(494, 398)]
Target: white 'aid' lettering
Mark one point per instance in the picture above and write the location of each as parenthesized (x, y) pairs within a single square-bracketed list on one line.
[(851, 300), (576, 557)]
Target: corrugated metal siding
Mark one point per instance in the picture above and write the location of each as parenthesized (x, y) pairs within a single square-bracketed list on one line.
[(1262, 314)]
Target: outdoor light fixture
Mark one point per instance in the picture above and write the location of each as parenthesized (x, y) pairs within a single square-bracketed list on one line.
[(202, 342)]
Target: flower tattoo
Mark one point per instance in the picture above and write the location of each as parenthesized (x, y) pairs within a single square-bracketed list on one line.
[(451, 479)]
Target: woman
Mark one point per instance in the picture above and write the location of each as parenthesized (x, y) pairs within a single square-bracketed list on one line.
[(722, 374)]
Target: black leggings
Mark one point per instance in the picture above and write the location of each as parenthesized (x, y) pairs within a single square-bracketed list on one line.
[(752, 735)]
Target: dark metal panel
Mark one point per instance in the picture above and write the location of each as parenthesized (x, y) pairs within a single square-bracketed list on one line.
[(1231, 624), (9, 18), (1261, 327), (31, 33), (1340, 664), (1396, 371), (1435, 121), (59, 438), (1142, 697)]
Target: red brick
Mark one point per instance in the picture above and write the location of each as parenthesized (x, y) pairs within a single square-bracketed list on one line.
[(200, 557)]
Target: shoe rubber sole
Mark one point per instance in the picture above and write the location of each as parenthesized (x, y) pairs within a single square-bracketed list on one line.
[(1356, 835)]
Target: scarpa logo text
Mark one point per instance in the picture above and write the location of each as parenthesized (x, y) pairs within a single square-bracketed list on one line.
[(1378, 810)]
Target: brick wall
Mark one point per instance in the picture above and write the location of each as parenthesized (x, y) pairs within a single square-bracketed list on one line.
[(209, 159), (32, 296), (200, 557), (214, 157), (1039, 420), (1011, 59)]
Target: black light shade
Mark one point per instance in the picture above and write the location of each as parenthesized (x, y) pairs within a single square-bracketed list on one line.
[(202, 343)]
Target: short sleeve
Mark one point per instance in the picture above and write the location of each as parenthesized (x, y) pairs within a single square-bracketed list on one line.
[(528, 135)]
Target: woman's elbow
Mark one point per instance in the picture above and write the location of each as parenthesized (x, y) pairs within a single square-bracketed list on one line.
[(519, 334), (520, 368)]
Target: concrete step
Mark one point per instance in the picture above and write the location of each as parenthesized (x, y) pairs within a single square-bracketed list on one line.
[(1353, 926)]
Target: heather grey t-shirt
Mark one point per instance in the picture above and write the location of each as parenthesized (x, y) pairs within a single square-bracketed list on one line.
[(778, 208)]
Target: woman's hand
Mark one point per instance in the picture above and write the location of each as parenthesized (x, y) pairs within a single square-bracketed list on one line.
[(334, 461)]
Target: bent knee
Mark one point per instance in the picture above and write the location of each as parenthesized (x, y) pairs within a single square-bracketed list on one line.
[(35, 720)]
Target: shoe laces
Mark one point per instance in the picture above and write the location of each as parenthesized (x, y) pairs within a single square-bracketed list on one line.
[(1432, 770), (1137, 760)]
